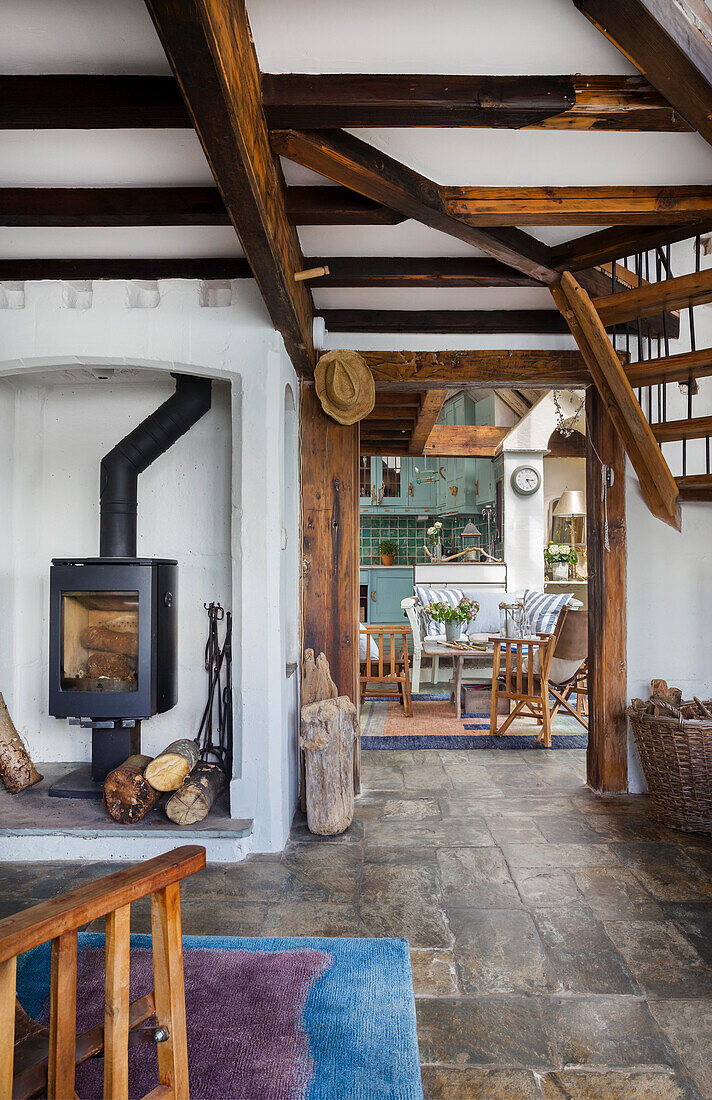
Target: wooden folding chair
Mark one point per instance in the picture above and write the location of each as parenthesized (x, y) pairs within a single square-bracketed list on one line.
[(515, 680), (390, 671), (35, 1058), (572, 645)]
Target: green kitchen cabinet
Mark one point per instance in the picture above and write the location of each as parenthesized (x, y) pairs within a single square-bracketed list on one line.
[(387, 586)]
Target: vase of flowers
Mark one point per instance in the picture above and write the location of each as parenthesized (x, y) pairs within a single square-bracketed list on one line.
[(434, 536), (454, 618), (560, 557), (388, 549)]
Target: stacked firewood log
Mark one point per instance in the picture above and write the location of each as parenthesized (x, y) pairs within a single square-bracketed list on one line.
[(134, 788)]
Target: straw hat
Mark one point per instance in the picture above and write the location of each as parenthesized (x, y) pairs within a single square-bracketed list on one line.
[(345, 386)]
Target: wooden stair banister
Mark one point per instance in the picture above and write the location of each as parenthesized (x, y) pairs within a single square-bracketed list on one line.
[(55, 1052), (655, 298), (656, 482)]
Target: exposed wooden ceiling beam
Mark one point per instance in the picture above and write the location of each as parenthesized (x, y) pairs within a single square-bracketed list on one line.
[(336, 206), (209, 46), (431, 404), (620, 241), (304, 100), (646, 301), (427, 370), (69, 102), (217, 267), (576, 102), (669, 41), (579, 205), (482, 441), (444, 320), (404, 271), (351, 162), (656, 482), (333, 101)]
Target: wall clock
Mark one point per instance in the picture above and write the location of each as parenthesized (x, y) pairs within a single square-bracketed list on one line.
[(525, 480)]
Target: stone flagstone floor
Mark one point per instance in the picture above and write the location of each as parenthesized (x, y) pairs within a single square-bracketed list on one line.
[(561, 942)]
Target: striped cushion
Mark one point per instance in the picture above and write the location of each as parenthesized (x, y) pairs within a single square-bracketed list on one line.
[(426, 596), (543, 609)]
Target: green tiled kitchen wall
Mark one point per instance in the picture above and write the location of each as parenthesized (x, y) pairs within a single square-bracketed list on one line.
[(409, 533)]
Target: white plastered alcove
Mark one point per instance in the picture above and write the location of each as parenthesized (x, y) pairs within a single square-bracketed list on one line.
[(223, 501)]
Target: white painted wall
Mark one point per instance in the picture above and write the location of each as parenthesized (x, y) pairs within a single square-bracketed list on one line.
[(234, 486)]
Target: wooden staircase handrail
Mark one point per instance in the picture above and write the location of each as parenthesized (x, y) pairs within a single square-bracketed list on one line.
[(656, 482), (50, 919), (648, 301)]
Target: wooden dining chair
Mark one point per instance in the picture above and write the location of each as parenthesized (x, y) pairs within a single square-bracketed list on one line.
[(527, 676), (388, 675), (33, 1058)]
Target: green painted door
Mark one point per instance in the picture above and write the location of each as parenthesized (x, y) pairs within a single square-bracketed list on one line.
[(389, 586)]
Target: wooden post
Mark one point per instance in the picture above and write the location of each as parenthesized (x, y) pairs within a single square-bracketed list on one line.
[(330, 544), (169, 989), (62, 1017), (607, 756), (116, 1004), (8, 971)]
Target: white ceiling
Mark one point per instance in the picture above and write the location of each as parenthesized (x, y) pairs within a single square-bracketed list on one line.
[(451, 36)]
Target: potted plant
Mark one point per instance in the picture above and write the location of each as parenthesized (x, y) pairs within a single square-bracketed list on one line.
[(388, 549), (454, 618), (559, 556), (434, 535)]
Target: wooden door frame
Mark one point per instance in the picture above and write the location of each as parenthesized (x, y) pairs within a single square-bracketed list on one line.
[(330, 530)]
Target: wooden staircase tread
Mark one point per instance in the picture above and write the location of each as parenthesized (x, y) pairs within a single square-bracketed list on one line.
[(695, 487), (653, 299), (671, 368), (696, 427)]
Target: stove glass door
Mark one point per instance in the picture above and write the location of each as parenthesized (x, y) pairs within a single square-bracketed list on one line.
[(99, 641)]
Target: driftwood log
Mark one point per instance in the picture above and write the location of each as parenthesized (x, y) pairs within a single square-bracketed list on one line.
[(316, 679), (16, 769), (168, 770), (110, 641), (327, 739), (195, 798), (128, 796)]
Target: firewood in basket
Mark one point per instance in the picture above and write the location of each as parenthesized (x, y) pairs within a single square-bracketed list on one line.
[(195, 798), (128, 796), (170, 767), (16, 769), (112, 665), (109, 641)]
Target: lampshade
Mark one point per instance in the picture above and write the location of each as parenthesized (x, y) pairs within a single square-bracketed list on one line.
[(571, 503)]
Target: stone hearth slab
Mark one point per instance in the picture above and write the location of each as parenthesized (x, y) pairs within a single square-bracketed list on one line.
[(34, 826)]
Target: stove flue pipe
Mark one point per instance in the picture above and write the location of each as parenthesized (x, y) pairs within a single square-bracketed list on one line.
[(135, 453)]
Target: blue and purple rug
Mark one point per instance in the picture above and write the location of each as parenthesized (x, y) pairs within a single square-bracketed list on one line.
[(268, 1019)]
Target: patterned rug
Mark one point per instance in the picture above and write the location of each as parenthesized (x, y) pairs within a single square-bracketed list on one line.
[(434, 726), (268, 1019)]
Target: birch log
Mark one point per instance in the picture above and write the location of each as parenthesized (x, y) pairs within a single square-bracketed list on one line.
[(16, 769), (128, 796), (195, 799), (327, 738), (168, 770)]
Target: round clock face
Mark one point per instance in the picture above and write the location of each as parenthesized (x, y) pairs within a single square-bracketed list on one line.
[(525, 480)]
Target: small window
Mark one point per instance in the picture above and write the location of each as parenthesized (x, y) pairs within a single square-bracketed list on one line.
[(391, 476), (364, 476)]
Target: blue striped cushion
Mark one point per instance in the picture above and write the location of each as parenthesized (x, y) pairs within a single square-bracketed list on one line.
[(426, 596), (543, 609)]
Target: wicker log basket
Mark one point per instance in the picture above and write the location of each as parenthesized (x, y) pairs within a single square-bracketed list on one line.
[(674, 739)]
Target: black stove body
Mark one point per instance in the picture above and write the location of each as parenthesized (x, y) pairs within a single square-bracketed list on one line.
[(113, 653)]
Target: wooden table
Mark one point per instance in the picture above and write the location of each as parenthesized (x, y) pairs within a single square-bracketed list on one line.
[(484, 654)]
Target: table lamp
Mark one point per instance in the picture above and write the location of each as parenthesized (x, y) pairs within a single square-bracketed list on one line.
[(572, 503)]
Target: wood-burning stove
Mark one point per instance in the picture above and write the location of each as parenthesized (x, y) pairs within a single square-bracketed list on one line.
[(113, 619)]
